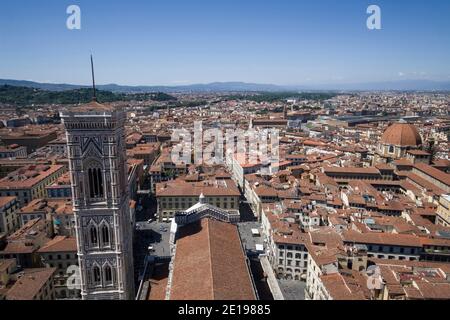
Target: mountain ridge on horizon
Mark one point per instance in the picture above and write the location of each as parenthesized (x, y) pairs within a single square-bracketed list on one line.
[(236, 86)]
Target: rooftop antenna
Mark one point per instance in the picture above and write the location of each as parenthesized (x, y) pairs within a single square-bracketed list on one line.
[(94, 97)]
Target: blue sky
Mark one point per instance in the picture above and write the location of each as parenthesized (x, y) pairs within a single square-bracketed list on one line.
[(172, 42)]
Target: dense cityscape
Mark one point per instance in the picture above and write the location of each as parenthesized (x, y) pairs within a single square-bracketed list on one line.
[(202, 159), (94, 205)]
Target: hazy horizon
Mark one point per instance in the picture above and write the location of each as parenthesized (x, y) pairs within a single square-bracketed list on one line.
[(408, 85)]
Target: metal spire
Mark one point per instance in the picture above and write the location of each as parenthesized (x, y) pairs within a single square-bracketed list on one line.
[(94, 98)]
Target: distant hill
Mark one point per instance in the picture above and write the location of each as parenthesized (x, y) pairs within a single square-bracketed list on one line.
[(402, 85), (38, 85), (211, 87), (21, 96)]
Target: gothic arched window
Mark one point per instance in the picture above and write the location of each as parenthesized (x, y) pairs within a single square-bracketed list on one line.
[(105, 235), (93, 235), (108, 275), (95, 180), (96, 276)]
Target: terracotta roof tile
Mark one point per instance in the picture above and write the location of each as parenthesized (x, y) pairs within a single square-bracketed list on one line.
[(210, 264)]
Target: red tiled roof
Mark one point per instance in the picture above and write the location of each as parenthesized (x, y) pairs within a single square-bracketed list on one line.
[(382, 238), (28, 286), (210, 264), (60, 244), (5, 200), (402, 134), (435, 173), (190, 189)]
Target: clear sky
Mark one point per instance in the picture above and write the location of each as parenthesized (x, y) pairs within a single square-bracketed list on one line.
[(172, 42)]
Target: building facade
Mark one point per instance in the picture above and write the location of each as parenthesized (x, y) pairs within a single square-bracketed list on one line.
[(29, 182), (61, 253), (97, 161), (443, 210), (33, 284), (13, 151), (9, 221), (176, 196)]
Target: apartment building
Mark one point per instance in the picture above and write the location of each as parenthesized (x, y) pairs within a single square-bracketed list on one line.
[(443, 210), (289, 256), (386, 245), (147, 152), (136, 175), (239, 166), (31, 137), (348, 285), (285, 245), (9, 221), (58, 146), (58, 211), (13, 151), (7, 268), (61, 253), (412, 280), (23, 244), (33, 284), (164, 169), (435, 176), (61, 188), (343, 174), (322, 261), (179, 195), (30, 182)]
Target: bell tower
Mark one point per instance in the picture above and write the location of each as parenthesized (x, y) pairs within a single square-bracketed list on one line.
[(97, 161)]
